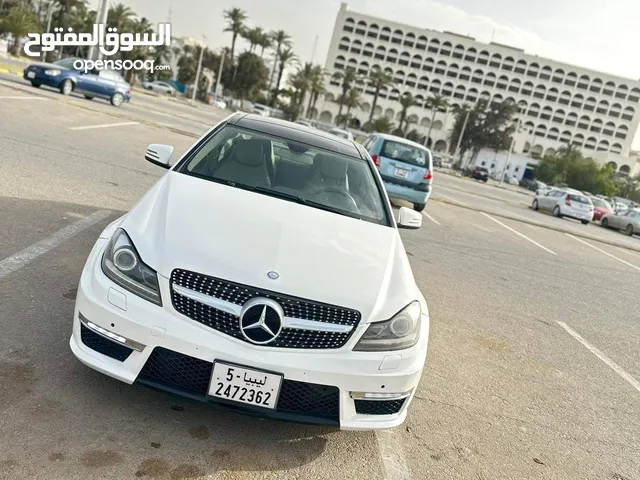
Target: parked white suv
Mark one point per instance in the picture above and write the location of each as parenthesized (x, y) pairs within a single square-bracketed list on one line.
[(565, 203), (264, 272)]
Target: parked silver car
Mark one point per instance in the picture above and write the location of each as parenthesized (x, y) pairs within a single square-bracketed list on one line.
[(565, 203), (159, 87), (628, 220)]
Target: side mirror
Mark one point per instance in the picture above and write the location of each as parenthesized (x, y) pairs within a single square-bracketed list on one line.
[(408, 218), (159, 154)]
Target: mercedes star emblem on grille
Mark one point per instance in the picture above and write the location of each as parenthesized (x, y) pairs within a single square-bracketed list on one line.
[(261, 320)]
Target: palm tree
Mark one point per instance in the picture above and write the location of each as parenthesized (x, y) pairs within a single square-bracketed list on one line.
[(18, 22), (316, 88), (434, 102), (382, 125), (235, 18), (406, 101), (265, 42), (285, 57), (119, 15), (348, 76), (379, 79), (353, 100), (253, 36), (279, 39)]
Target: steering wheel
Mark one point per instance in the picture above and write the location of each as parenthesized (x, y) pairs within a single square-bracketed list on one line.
[(339, 191)]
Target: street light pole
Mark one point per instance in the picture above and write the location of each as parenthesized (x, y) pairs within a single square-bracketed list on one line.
[(513, 141), (195, 86), (464, 127), (215, 93), (43, 55)]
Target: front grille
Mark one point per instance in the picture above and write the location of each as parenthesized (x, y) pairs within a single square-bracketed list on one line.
[(176, 371), (103, 345), (379, 407), (239, 294)]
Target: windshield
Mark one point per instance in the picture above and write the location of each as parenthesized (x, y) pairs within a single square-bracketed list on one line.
[(601, 203), (579, 199), (66, 63), (292, 171), (406, 153)]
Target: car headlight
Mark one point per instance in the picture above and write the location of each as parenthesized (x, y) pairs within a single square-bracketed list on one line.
[(122, 264), (400, 332), (53, 72)]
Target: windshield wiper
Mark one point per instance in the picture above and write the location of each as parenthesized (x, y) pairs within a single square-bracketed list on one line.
[(304, 201)]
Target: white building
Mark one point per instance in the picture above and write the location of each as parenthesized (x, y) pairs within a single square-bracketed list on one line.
[(559, 103)]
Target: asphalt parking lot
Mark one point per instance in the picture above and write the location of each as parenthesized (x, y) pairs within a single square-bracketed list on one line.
[(534, 354)]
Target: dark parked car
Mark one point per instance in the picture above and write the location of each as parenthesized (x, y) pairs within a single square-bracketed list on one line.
[(479, 173), (62, 75)]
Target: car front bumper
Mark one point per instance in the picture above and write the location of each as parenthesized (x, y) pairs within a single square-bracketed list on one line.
[(402, 192), (41, 78), (160, 334)]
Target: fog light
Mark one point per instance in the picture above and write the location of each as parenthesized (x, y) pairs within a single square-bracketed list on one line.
[(110, 335), (379, 395)]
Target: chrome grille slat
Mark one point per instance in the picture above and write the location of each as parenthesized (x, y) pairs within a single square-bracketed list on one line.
[(208, 311)]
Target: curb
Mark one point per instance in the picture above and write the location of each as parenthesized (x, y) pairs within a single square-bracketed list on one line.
[(37, 93), (536, 224)]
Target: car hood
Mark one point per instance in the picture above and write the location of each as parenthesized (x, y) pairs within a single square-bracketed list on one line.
[(194, 224), (47, 65)]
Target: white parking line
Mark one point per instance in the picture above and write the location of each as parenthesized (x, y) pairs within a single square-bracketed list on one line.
[(22, 258), (105, 125), (392, 456), (602, 251), (20, 97), (431, 218), (519, 234), (613, 365)]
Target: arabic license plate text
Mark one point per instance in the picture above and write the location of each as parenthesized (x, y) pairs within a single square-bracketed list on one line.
[(245, 385), (31, 74), (401, 173)]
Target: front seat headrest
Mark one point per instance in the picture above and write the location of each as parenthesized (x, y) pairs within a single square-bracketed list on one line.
[(332, 167), (249, 152)]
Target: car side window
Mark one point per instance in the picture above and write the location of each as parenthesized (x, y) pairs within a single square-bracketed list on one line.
[(106, 74)]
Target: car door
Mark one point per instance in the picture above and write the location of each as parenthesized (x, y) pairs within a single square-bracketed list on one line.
[(107, 83), (88, 83), (544, 201)]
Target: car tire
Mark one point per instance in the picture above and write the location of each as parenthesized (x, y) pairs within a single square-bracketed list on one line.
[(89, 97), (585, 222), (35, 84), (66, 87), (418, 207), (629, 230), (117, 99), (556, 212), (605, 222), (535, 205)]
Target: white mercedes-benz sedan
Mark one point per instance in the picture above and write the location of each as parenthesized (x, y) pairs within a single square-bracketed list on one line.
[(264, 273)]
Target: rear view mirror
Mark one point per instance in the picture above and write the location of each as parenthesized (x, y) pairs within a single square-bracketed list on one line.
[(408, 218), (159, 154)]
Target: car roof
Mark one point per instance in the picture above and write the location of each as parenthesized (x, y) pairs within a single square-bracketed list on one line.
[(297, 133), (395, 138)]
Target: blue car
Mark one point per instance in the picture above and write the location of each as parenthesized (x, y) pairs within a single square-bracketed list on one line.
[(406, 167), (107, 84)]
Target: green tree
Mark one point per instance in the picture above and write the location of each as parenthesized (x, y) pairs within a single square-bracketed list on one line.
[(406, 101), (285, 57), (251, 76), (120, 16), (300, 82), (348, 77), (235, 18), (279, 39), (253, 36), (568, 166), (382, 125), (435, 103), (353, 100), (265, 42), (378, 79), (316, 88), (19, 21)]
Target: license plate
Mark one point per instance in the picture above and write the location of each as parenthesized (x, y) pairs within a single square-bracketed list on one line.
[(401, 173), (245, 385), (31, 74)]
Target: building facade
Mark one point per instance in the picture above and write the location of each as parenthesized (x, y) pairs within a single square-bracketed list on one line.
[(558, 103)]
